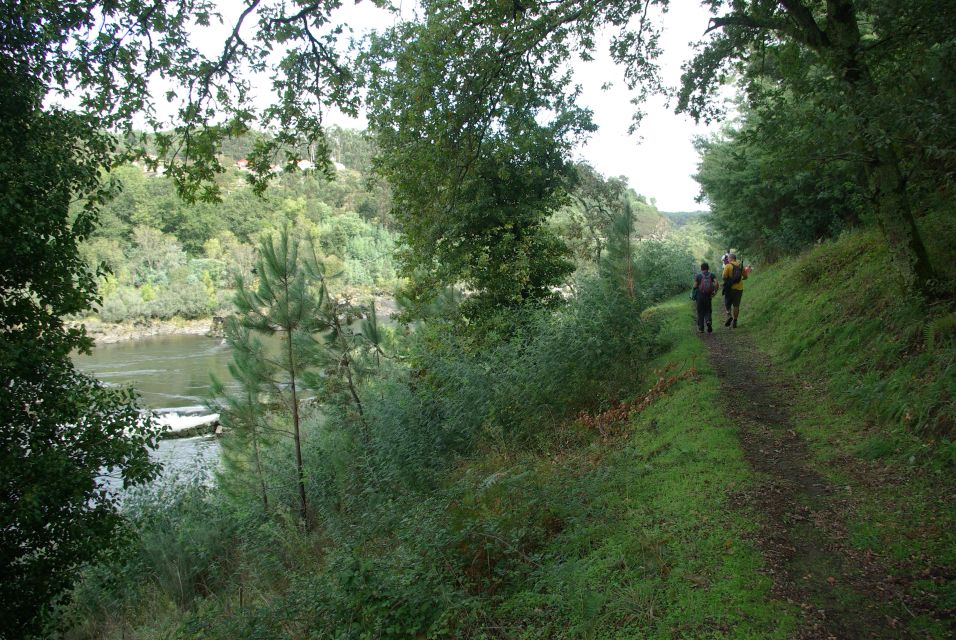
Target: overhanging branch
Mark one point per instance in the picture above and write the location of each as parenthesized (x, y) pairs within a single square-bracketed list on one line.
[(749, 22)]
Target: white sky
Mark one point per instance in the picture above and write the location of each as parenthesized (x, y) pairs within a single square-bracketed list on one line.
[(659, 159)]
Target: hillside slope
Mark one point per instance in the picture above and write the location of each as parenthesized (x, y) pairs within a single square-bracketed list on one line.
[(762, 482), (839, 317), (871, 381)]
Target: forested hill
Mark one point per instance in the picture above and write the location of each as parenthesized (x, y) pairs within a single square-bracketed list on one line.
[(681, 218), (349, 148), (169, 258)]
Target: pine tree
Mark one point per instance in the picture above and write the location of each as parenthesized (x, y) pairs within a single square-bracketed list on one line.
[(617, 266), (286, 302), (242, 412), (372, 333), (342, 347)]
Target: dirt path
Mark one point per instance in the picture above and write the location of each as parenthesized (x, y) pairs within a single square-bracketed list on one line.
[(843, 592)]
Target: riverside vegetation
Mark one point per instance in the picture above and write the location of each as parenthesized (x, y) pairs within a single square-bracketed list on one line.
[(165, 258), (161, 258), (546, 513), (541, 446)]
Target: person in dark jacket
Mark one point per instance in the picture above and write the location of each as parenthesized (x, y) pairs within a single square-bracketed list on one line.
[(706, 285)]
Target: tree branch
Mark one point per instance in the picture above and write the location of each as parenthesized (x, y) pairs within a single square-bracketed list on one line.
[(808, 31), (233, 43), (749, 22)]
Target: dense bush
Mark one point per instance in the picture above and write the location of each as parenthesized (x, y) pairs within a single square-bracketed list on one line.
[(771, 196), (663, 268)]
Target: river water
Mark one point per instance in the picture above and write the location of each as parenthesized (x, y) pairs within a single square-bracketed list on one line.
[(172, 376)]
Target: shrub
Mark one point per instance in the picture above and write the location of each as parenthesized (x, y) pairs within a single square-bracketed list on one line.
[(663, 268)]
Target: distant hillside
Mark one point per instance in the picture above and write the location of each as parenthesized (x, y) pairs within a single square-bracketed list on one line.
[(691, 228), (680, 218), (648, 221)]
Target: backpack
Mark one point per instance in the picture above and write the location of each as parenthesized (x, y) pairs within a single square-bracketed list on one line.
[(707, 284), (736, 273)]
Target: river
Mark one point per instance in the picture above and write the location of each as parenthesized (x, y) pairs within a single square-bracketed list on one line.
[(172, 376), (171, 373)]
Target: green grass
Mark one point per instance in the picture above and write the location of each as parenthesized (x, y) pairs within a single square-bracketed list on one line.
[(839, 318), (633, 533), (626, 535), (652, 549), (878, 374)]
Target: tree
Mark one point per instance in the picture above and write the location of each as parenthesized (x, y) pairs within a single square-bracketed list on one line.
[(60, 431), (155, 254), (286, 303), (475, 130), (617, 267), (453, 91), (781, 180), (856, 43), (342, 356), (242, 412), (598, 199)]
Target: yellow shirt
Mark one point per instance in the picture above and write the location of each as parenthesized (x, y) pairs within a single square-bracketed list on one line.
[(729, 270)]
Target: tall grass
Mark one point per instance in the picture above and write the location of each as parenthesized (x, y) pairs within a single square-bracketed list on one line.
[(401, 542)]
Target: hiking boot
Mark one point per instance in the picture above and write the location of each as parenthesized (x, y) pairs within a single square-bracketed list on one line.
[(710, 328), (729, 320), (735, 323)]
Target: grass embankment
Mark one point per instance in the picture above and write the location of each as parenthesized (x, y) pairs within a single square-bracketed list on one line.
[(609, 529), (606, 528), (876, 376), (648, 546)]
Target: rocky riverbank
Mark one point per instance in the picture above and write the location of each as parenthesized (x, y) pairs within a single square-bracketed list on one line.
[(108, 332)]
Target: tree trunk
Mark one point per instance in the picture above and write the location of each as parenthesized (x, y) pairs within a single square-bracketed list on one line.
[(842, 41), (898, 224), (262, 480), (299, 474), (346, 364)]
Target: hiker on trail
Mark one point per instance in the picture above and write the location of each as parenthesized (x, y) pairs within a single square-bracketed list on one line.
[(733, 276), (706, 285), (724, 261)]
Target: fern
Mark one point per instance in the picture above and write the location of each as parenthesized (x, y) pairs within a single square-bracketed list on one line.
[(943, 327)]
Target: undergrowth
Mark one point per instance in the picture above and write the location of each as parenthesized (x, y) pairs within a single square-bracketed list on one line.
[(571, 481), (839, 316), (609, 524)]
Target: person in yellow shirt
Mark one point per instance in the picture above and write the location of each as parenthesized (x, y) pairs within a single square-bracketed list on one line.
[(733, 275)]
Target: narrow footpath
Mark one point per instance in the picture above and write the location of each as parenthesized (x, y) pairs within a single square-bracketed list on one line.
[(843, 592)]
